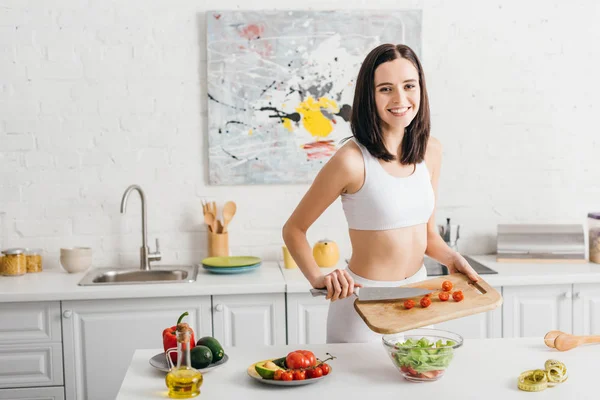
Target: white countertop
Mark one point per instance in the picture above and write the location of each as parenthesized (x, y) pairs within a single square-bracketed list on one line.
[(509, 274), (59, 285), (524, 274), (56, 284), (482, 368)]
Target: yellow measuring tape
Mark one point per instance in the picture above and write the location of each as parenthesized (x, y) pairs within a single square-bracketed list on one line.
[(536, 380)]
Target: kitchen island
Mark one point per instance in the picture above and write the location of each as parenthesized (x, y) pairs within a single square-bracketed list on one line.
[(481, 369)]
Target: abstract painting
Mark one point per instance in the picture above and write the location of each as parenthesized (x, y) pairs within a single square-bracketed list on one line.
[(281, 84)]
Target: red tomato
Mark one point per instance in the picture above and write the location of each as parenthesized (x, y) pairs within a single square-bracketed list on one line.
[(408, 304), (325, 368), (444, 296), (278, 374), (297, 360), (315, 372), (425, 302), (287, 376), (299, 375), (458, 295), (447, 286), (312, 360)]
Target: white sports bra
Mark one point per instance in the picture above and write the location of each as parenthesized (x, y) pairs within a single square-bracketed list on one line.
[(388, 202)]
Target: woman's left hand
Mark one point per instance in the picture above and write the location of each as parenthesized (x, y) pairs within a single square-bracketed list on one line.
[(459, 264)]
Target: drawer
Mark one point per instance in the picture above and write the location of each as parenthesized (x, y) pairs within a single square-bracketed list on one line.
[(43, 393), (26, 365), (31, 322)]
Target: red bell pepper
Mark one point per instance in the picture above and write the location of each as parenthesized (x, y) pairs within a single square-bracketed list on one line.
[(170, 337)]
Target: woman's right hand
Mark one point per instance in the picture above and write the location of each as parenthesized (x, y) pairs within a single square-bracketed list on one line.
[(339, 284)]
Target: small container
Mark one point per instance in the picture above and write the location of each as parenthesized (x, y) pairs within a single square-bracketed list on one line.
[(594, 236), (218, 244), (34, 260), (14, 262)]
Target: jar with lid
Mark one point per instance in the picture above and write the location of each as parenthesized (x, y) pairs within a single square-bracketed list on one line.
[(33, 258), (14, 262), (594, 236)]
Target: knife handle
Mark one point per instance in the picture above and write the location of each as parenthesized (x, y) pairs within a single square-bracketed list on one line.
[(323, 292)]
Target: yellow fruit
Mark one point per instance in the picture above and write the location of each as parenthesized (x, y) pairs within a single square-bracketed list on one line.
[(326, 253)]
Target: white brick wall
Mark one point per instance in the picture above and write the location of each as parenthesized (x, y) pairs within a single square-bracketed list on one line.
[(96, 95)]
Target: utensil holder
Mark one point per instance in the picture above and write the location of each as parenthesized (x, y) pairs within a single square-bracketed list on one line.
[(218, 244)]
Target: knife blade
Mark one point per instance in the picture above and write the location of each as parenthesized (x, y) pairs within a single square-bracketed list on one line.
[(380, 293)]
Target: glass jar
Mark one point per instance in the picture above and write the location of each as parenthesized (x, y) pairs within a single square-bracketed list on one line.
[(14, 262), (594, 236), (33, 258), (182, 380)]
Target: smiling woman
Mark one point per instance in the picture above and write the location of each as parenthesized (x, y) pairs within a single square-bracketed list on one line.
[(386, 176)]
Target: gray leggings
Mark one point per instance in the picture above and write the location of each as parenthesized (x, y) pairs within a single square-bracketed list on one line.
[(344, 325)]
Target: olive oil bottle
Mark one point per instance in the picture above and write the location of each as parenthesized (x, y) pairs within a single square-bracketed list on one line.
[(183, 381)]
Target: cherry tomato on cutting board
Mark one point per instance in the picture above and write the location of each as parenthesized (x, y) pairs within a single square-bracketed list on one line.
[(425, 302), (458, 295), (447, 286)]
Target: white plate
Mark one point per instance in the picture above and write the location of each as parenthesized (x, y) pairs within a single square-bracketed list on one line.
[(253, 374), (160, 362)]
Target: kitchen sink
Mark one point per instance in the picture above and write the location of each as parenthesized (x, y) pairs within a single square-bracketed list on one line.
[(158, 274)]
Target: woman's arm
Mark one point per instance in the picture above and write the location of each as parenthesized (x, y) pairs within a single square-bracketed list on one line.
[(436, 247), (333, 179)]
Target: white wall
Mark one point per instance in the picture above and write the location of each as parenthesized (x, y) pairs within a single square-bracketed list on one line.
[(97, 95)]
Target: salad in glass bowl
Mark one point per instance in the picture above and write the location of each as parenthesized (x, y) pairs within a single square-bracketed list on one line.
[(422, 355)]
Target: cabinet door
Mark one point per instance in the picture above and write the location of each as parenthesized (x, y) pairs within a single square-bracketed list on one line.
[(478, 326), (43, 393), (250, 319), (532, 311), (586, 309), (306, 318), (100, 337)]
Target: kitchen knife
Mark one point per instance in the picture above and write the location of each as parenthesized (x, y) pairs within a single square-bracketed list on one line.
[(380, 293)]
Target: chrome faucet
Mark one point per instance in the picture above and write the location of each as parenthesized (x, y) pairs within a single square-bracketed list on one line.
[(145, 255)]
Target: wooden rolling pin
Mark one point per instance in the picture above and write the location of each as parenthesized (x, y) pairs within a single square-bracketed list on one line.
[(562, 341)]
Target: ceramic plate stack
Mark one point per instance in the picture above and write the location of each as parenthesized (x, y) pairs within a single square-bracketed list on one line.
[(231, 265)]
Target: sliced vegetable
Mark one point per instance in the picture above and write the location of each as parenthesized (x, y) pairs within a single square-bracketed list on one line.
[(423, 356)]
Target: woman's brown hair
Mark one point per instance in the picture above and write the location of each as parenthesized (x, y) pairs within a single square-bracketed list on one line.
[(364, 120)]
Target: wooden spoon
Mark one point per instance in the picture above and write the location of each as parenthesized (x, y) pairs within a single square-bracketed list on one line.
[(550, 336), (567, 341), (229, 210), (209, 219)]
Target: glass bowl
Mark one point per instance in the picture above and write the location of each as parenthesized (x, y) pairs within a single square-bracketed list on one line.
[(422, 355)]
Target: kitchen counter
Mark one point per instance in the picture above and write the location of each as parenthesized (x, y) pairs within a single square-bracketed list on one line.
[(526, 274), (482, 368), (509, 274), (57, 284)]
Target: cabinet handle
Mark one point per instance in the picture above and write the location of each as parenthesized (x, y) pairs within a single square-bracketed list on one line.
[(577, 295), (67, 313), (219, 307), (568, 295)]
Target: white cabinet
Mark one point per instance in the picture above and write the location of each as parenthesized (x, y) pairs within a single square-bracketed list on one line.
[(478, 326), (42, 393), (586, 309), (306, 318), (30, 345), (249, 319), (100, 337), (532, 311)]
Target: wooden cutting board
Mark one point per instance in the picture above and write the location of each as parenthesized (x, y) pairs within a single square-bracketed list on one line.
[(391, 317)]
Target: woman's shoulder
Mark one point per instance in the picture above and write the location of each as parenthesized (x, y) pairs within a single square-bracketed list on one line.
[(433, 153), (434, 149), (349, 154)]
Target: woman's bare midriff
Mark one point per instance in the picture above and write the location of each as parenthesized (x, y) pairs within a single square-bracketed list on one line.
[(389, 255)]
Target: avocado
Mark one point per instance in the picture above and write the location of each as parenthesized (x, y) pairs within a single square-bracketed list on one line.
[(280, 362), (201, 357), (214, 346), (266, 369)]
